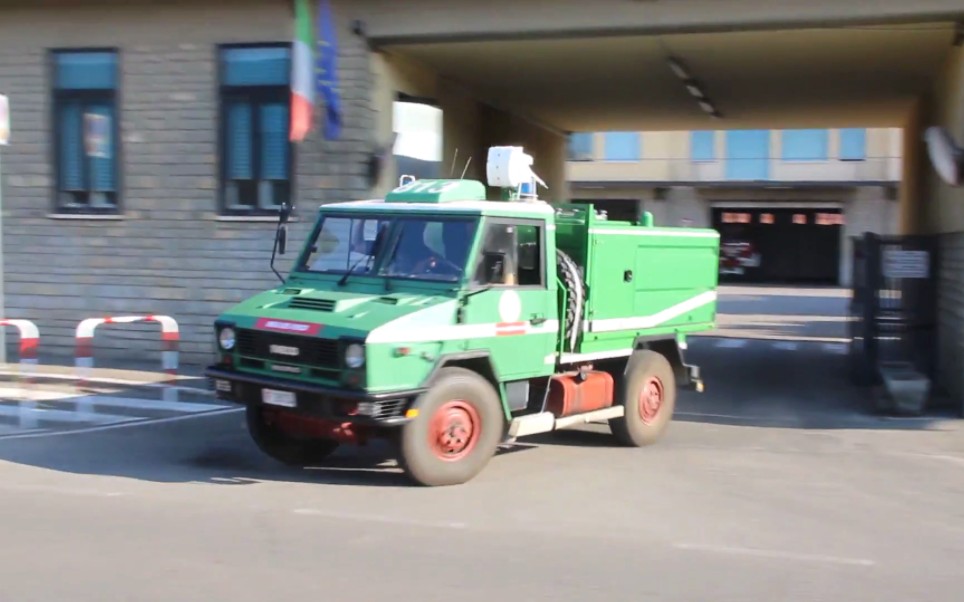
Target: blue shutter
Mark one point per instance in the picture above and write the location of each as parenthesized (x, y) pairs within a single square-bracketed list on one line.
[(239, 142), (702, 145), (274, 141), (86, 71), (853, 144), (102, 168), (805, 145), (580, 146), (257, 66), (621, 146), (71, 146), (748, 154)]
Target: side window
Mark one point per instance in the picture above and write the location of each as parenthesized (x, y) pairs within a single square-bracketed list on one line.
[(511, 255)]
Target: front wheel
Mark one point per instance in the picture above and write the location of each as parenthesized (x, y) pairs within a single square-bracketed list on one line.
[(648, 392), (268, 435), (457, 431)]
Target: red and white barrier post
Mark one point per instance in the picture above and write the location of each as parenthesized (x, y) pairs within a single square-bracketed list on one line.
[(170, 336), (29, 341)]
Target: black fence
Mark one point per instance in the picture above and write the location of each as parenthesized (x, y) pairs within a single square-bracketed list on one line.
[(893, 308)]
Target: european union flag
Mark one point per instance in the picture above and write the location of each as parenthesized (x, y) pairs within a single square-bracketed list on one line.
[(326, 70)]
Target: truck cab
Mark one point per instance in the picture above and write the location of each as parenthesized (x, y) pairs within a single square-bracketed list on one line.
[(439, 319)]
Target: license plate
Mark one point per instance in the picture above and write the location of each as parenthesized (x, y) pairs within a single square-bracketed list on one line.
[(278, 398)]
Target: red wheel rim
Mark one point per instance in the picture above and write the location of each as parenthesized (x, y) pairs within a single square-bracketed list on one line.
[(453, 430), (651, 399)]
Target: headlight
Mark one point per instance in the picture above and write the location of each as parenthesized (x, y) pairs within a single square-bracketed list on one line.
[(226, 338), (355, 356)]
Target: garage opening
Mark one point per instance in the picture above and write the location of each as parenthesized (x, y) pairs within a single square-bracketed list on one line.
[(782, 245)]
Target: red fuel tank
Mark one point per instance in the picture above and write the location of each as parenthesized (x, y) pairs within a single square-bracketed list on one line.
[(568, 394)]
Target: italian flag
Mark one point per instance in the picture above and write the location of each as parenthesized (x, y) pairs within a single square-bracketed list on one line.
[(302, 90)]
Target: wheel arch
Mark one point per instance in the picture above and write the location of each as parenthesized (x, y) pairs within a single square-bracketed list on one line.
[(479, 362), (669, 348)]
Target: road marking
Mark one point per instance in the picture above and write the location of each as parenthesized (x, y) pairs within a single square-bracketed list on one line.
[(380, 518), (730, 343), (130, 424), (785, 345), (776, 554), (837, 348), (136, 403), (72, 416), (108, 381)]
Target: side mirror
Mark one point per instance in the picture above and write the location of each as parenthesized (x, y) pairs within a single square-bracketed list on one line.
[(284, 212), (282, 239)]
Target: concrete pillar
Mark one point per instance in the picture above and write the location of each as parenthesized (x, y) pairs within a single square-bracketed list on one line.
[(869, 209), (685, 206)]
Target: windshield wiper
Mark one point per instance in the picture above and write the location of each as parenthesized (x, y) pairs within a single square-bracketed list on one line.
[(351, 270)]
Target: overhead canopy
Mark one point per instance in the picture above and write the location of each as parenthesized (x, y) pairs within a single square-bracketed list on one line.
[(860, 76)]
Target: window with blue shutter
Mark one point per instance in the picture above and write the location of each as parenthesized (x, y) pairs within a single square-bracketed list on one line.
[(256, 154), (703, 145), (86, 128), (747, 155), (621, 146), (805, 145), (580, 146), (853, 144)]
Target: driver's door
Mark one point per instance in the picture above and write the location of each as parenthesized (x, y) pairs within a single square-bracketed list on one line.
[(516, 319)]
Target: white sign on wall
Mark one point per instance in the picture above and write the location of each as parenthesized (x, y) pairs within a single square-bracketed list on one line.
[(4, 120), (899, 263)]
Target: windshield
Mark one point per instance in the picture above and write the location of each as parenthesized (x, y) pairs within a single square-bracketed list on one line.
[(416, 248)]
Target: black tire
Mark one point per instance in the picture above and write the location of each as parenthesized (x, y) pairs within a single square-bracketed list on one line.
[(572, 278), (641, 428), (282, 447), (453, 392)]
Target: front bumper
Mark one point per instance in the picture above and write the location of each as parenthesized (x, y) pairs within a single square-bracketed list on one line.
[(329, 403)]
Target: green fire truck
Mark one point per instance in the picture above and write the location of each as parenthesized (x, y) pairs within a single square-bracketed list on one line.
[(451, 324)]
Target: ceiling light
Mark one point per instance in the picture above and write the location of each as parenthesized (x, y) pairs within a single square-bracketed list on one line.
[(678, 68)]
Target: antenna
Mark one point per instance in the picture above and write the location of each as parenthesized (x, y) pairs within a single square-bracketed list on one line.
[(466, 168), (454, 159)]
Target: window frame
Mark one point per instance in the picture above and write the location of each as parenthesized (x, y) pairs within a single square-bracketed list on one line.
[(477, 254), (256, 95), (57, 97)]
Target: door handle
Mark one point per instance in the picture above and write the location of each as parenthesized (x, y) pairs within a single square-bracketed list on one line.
[(537, 320)]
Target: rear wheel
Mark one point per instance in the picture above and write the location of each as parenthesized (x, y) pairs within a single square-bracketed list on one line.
[(648, 392), (457, 431), (284, 447)]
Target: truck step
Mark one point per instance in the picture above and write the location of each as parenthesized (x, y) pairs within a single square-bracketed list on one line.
[(546, 422)]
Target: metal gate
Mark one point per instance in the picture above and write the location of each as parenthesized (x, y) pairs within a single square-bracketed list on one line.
[(893, 307)]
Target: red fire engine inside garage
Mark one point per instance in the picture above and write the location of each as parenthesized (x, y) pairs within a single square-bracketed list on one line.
[(779, 245)]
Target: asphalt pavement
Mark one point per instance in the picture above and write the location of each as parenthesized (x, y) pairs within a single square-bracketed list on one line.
[(776, 483)]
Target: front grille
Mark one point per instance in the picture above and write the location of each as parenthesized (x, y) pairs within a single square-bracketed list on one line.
[(321, 353), (314, 304)]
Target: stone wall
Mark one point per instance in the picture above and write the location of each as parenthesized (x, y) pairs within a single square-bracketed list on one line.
[(169, 251)]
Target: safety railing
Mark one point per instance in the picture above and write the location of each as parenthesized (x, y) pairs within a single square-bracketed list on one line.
[(170, 337)]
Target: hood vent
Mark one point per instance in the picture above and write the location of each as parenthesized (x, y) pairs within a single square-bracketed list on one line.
[(291, 291), (388, 300), (313, 304)]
